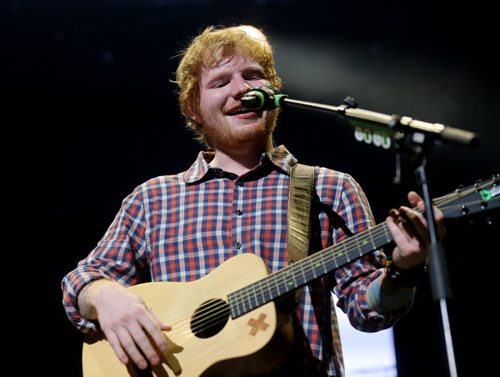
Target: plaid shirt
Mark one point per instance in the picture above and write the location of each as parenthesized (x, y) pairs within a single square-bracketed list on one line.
[(180, 227)]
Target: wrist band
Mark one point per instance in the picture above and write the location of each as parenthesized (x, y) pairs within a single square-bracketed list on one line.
[(406, 278)]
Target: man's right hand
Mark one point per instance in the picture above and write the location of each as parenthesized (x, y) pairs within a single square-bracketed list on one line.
[(129, 326)]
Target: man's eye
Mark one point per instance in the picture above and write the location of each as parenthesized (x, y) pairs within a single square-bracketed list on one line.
[(220, 84)]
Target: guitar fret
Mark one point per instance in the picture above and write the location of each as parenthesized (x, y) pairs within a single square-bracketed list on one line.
[(384, 236), (234, 304), (289, 281), (243, 302), (345, 253), (312, 270), (262, 285), (370, 234), (278, 292), (364, 243), (323, 263), (302, 273), (305, 273), (253, 298), (333, 258), (387, 234), (359, 244), (380, 237)]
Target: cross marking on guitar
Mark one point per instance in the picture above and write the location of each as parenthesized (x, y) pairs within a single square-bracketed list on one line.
[(257, 324)]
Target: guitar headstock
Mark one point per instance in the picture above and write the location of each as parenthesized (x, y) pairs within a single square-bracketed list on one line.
[(483, 196)]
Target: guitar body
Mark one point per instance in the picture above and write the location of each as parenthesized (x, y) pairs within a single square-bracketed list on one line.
[(252, 344)]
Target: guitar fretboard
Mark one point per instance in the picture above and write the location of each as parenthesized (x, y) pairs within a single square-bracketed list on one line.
[(308, 269)]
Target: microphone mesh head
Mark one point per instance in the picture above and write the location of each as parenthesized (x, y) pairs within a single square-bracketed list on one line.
[(253, 100), (261, 98)]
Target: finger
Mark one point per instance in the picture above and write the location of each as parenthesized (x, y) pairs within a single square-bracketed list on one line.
[(405, 237), (129, 345), (418, 223), (410, 228), (400, 237), (117, 347), (154, 330), (415, 200), (403, 224), (143, 342), (407, 252), (439, 217), (164, 326)]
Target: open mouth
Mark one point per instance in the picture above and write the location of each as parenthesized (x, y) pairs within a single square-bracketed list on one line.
[(239, 111)]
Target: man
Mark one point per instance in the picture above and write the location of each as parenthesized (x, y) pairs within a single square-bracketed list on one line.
[(234, 200)]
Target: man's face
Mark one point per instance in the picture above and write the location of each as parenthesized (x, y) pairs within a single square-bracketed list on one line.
[(221, 88)]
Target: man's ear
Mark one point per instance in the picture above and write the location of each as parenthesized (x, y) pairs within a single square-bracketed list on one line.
[(193, 115)]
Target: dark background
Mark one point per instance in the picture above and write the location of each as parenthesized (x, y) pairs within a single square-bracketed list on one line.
[(88, 113)]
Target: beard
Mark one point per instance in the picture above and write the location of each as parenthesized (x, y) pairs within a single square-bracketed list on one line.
[(256, 132)]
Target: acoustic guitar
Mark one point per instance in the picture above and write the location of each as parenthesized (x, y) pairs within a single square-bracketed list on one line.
[(227, 323)]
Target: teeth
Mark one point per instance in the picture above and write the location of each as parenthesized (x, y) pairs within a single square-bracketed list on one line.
[(239, 111)]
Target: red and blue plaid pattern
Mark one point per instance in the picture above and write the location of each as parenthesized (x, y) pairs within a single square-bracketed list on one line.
[(180, 227)]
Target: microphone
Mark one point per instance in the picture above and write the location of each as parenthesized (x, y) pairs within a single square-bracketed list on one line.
[(266, 97)]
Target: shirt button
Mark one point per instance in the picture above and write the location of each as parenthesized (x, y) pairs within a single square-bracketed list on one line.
[(239, 212), (238, 245)]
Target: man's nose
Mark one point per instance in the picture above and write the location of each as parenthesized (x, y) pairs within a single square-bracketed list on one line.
[(240, 87)]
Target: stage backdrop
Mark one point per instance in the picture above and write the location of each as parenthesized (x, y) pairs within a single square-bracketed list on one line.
[(89, 112)]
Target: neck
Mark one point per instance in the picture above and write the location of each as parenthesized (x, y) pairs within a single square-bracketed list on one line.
[(239, 160)]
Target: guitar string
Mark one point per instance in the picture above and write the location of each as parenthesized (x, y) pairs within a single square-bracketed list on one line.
[(443, 200), (215, 313), (222, 314), (374, 235), (349, 249)]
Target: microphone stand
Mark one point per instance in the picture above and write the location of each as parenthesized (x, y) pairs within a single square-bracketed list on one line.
[(415, 138), (390, 124)]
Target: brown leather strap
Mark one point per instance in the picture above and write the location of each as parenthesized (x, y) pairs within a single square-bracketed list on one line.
[(299, 213)]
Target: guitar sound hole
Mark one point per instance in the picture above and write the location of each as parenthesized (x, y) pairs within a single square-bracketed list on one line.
[(210, 318)]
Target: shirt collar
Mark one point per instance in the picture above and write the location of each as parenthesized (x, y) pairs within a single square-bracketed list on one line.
[(279, 156)]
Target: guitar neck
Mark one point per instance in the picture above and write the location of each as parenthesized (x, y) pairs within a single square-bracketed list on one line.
[(480, 197), (308, 269)]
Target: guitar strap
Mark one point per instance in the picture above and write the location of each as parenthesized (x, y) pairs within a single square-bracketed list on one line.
[(299, 214), (302, 196)]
